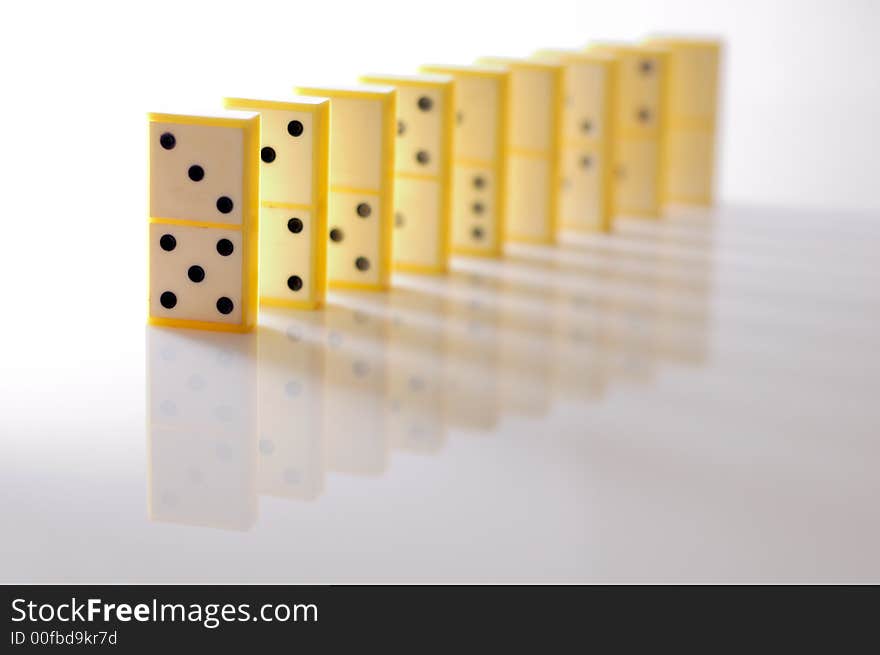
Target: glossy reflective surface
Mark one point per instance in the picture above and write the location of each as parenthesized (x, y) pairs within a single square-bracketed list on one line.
[(693, 399)]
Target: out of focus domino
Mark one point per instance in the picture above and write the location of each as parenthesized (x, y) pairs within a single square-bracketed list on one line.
[(639, 127), (533, 140), (691, 118), (586, 185), (423, 170), (479, 178)]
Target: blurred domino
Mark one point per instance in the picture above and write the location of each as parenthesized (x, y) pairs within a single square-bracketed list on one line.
[(638, 127), (585, 187), (480, 172), (423, 170), (533, 140), (691, 118)]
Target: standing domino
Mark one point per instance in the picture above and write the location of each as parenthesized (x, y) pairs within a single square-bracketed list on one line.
[(294, 172), (691, 118), (423, 169), (479, 177), (362, 128), (585, 190), (533, 143), (203, 207), (639, 136)]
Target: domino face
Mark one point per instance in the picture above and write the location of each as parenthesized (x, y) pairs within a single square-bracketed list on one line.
[(638, 128), (533, 142), (361, 205), (423, 171), (203, 204), (585, 187), (294, 189), (479, 176), (691, 119)]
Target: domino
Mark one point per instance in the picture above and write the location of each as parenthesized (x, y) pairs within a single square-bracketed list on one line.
[(586, 185), (479, 177), (533, 144), (691, 118), (638, 138), (294, 188), (423, 171), (363, 125), (203, 229)]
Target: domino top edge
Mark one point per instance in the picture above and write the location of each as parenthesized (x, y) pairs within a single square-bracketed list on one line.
[(276, 100), (476, 70), (683, 41), (203, 116), (564, 55), (377, 91), (429, 79), (517, 62)]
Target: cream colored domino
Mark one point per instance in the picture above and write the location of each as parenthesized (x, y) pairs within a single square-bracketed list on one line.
[(294, 190), (533, 139), (423, 170), (479, 177), (586, 185), (362, 141), (639, 127), (691, 118), (203, 208)]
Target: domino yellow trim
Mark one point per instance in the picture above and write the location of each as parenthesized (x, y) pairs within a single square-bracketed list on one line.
[(427, 177), (355, 191), (235, 227), (530, 153), (344, 285), (270, 301), (198, 325), (273, 204), (474, 163), (207, 121), (255, 104), (404, 267), (364, 93)]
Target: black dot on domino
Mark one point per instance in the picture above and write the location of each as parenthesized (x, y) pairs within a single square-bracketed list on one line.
[(167, 141), (587, 125), (336, 235), (398, 219), (646, 66), (362, 264), (425, 103), (295, 225), (196, 173), (586, 161), (225, 247), (295, 128), (479, 182), (459, 117), (224, 305), (401, 128), (363, 210), (196, 274), (168, 300), (644, 115), (423, 157), (267, 154), (167, 242), (294, 283), (477, 233), (224, 204), (478, 208)]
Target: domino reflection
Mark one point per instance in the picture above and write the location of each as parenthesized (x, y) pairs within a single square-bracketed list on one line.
[(202, 420)]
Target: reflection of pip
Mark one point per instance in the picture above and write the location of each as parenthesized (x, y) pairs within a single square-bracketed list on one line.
[(202, 428)]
